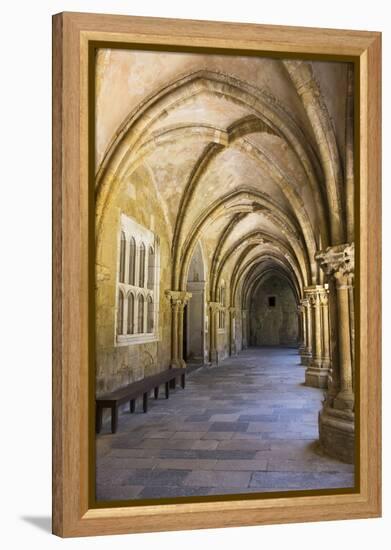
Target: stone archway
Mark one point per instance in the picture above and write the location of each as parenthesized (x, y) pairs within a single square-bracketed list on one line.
[(194, 316)]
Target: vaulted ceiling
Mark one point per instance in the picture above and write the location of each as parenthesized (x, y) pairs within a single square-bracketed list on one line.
[(246, 154)]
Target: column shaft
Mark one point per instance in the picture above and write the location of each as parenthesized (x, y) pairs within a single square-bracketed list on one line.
[(344, 399)]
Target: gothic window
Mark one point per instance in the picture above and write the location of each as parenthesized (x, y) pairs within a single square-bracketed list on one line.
[(221, 299), (130, 322), (122, 258), (140, 322), (120, 313), (151, 268), (150, 313), (132, 261), (137, 284), (141, 281)]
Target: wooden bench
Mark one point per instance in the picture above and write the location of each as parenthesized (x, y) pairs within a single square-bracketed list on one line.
[(134, 390)]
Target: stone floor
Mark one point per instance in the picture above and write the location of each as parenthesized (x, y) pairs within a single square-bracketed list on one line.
[(248, 425)]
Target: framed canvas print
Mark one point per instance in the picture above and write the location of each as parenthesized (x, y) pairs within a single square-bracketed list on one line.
[(216, 274)]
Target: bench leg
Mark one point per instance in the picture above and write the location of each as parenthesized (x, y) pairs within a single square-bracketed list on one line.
[(114, 418), (145, 402), (167, 386), (156, 392), (183, 382), (98, 418), (132, 405), (173, 383)]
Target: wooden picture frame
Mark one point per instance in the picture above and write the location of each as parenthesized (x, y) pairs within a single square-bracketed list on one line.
[(73, 33)]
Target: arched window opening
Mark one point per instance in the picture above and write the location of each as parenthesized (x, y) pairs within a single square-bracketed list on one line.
[(122, 258), (150, 315), (120, 313), (132, 261), (138, 283), (151, 268), (140, 323), (141, 281), (131, 313), (221, 295)]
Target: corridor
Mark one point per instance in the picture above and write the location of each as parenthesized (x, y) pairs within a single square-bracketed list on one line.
[(248, 425)]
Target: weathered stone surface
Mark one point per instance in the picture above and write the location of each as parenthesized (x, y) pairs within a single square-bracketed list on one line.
[(224, 219)]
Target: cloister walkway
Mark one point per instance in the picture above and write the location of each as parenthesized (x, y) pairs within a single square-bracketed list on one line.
[(248, 425)]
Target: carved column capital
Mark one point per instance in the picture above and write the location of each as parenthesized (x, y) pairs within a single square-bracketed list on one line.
[(178, 298), (338, 261), (214, 306), (314, 294)]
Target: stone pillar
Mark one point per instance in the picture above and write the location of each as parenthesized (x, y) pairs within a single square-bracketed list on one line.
[(178, 300), (214, 308), (316, 375), (300, 315), (324, 301), (232, 331), (245, 331), (345, 397), (308, 357), (336, 420)]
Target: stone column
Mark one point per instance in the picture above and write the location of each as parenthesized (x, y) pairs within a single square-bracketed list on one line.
[(309, 332), (324, 301), (214, 308), (336, 420), (304, 350), (300, 315), (345, 397), (178, 300), (232, 334), (316, 375), (245, 331)]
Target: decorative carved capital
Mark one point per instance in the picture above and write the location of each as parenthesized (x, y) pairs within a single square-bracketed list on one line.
[(214, 306), (315, 294), (339, 262), (178, 298), (324, 298)]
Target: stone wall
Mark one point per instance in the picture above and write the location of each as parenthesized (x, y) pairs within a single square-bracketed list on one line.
[(273, 325), (117, 365)]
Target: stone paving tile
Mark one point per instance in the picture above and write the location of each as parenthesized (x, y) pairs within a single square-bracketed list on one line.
[(167, 492), (241, 465), (188, 435), (184, 464), (220, 436), (157, 477), (217, 454), (123, 453), (197, 418), (166, 444), (263, 427), (228, 427), (232, 417), (205, 444), (160, 435), (218, 479), (131, 463), (244, 444), (106, 491), (251, 419), (313, 465), (293, 480)]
